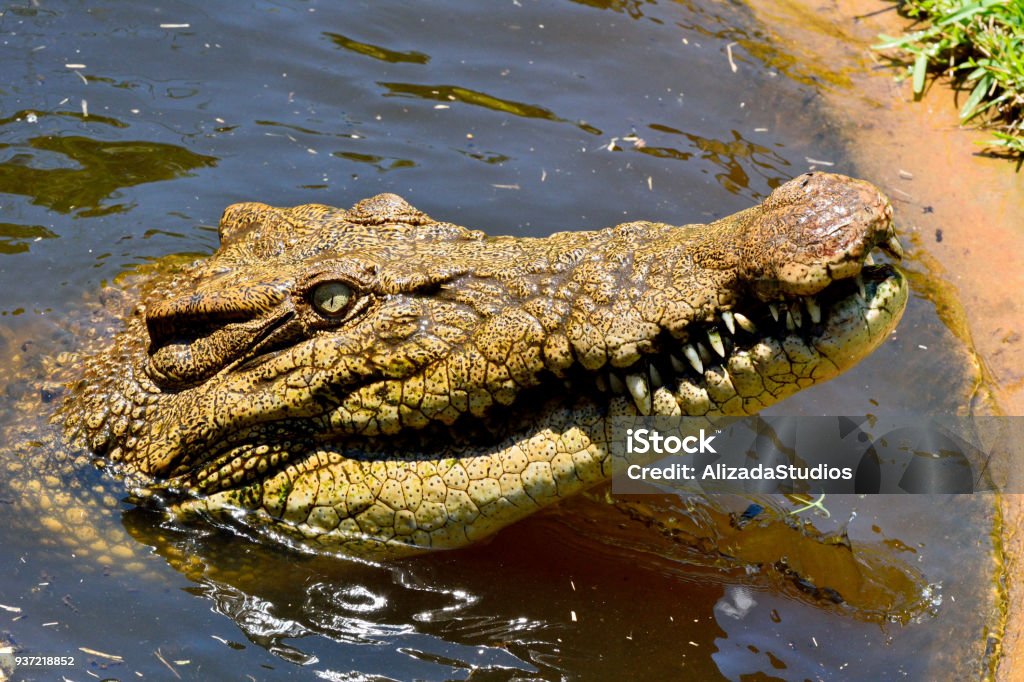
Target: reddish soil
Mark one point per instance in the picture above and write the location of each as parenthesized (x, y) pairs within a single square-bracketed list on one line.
[(962, 212)]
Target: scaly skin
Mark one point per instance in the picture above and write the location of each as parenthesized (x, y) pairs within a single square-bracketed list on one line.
[(376, 383)]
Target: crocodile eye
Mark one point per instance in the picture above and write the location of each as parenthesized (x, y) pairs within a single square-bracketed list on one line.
[(330, 299)]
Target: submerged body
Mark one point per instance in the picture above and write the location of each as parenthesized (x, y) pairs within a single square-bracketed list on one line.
[(373, 382)]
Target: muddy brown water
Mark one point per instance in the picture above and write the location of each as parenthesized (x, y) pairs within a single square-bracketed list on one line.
[(126, 128)]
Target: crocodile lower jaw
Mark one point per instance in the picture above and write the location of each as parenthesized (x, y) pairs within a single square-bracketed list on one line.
[(757, 354)]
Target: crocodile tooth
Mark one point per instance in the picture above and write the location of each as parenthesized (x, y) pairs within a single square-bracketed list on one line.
[(656, 381), (730, 321), (895, 248), (744, 322), (775, 311), (790, 323), (798, 316), (705, 354), (600, 383), (641, 392), (860, 287), (616, 383), (869, 260), (691, 354), (814, 309), (678, 366), (716, 341)]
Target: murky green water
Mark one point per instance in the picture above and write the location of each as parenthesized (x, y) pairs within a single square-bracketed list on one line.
[(123, 134)]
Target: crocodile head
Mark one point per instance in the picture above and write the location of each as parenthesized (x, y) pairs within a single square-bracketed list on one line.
[(371, 381)]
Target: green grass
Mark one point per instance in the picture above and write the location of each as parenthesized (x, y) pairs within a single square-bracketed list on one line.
[(980, 45)]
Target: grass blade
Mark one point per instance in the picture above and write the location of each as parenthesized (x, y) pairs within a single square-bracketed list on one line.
[(920, 69)]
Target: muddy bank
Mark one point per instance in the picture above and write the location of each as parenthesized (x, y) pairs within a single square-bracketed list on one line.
[(960, 210)]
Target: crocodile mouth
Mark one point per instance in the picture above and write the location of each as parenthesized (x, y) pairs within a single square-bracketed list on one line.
[(810, 330)]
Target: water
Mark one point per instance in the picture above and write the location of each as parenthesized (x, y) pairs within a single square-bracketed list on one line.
[(122, 140)]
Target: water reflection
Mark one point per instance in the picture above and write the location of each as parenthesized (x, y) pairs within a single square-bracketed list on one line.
[(301, 607), (305, 130), (631, 7), (735, 157), (563, 578), (17, 238), (455, 93), (378, 52), (490, 158), (256, 619), (381, 163), (30, 117), (771, 549), (93, 170)]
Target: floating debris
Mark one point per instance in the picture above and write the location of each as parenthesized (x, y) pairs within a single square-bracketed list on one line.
[(752, 511), (101, 654), (728, 51), (164, 661)]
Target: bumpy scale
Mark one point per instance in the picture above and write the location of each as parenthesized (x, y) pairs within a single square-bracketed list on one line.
[(373, 382)]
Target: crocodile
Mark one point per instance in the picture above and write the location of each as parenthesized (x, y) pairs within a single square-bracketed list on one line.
[(372, 382)]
